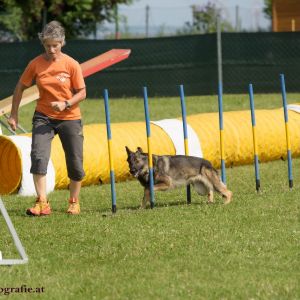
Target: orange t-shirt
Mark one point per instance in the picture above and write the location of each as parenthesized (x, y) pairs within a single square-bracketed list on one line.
[(56, 81)]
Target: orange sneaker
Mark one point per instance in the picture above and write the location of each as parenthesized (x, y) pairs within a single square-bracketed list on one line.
[(74, 207), (41, 208)]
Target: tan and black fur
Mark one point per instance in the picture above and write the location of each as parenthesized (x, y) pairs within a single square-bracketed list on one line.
[(171, 171)]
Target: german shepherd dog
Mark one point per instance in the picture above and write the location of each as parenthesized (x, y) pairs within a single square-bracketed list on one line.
[(171, 171)]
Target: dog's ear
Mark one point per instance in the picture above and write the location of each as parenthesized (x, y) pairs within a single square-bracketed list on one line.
[(129, 152), (139, 149)]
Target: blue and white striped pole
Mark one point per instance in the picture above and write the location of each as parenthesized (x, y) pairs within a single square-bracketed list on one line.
[(220, 101), (287, 132), (150, 162), (185, 136), (255, 147), (111, 161)]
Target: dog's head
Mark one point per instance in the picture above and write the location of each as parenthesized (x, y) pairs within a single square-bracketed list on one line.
[(137, 161)]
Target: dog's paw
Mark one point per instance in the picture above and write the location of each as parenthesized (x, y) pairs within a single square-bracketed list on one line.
[(228, 198)]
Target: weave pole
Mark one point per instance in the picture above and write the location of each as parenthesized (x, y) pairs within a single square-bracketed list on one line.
[(287, 132), (150, 162), (18, 244), (111, 161), (185, 136), (220, 102), (255, 148)]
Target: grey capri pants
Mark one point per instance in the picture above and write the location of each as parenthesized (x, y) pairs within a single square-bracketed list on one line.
[(70, 133)]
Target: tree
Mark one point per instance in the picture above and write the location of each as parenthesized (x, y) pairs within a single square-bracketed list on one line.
[(25, 18), (10, 25), (268, 8), (205, 20)]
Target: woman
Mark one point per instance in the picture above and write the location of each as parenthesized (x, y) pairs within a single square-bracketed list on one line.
[(61, 87)]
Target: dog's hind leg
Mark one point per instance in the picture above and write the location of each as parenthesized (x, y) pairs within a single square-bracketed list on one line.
[(217, 185), (210, 197), (204, 188)]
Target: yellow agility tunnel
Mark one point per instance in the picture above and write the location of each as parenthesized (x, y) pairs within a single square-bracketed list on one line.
[(204, 140)]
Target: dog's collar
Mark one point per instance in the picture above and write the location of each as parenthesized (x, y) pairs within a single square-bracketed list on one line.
[(141, 172)]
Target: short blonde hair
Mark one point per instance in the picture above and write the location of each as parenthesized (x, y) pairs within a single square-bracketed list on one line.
[(52, 31)]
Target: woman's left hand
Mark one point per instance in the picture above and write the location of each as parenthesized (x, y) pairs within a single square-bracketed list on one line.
[(58, 105)]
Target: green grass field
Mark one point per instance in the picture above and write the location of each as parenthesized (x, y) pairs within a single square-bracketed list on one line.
[(246, 250)]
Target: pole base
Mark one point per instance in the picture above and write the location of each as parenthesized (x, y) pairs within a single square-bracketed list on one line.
[(188, 195), (257, 185)]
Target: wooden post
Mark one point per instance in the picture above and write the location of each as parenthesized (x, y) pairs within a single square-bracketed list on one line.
[(274, 17)]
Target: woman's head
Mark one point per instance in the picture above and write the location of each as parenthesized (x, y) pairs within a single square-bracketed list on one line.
[(53, 31), (52, 38)]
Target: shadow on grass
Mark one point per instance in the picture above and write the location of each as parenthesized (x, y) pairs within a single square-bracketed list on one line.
[(16, 212), (136, 208), (105, 211)]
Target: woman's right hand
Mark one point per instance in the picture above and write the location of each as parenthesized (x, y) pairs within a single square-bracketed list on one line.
[(12, 122)]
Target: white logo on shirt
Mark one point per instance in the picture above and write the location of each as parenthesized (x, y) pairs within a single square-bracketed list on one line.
[(62, 77)]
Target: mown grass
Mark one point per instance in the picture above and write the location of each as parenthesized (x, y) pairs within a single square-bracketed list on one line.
[(245, 250)]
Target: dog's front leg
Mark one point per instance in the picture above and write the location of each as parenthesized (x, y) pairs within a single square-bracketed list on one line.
[(145, 198), (162, 186), (163, 183)]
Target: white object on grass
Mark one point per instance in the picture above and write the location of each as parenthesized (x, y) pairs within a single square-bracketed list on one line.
[(18, 244), (27, 184)]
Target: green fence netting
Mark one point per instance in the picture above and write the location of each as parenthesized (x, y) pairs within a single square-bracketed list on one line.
[(163, 63)]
